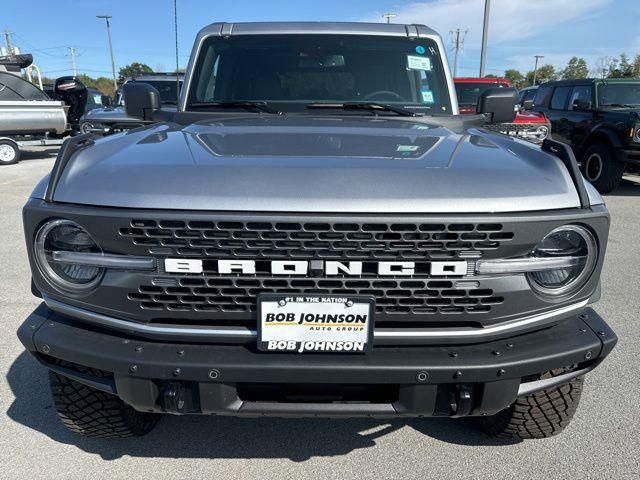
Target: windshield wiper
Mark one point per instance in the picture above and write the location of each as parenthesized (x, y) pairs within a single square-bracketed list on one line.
[(621, 105), (262, 106), (371, 106)]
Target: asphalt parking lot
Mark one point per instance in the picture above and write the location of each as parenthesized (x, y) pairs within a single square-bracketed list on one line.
[(602, 441)]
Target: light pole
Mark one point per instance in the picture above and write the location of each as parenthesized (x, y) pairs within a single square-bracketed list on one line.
[(535, 68), (485, 36), (113, 63), (389, 16)]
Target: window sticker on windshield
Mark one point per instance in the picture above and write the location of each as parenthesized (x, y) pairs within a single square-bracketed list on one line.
[(420, 49), (408, 148), (427, 96), (418, 63)]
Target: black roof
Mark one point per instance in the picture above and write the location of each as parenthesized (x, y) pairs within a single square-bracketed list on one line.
[(587, 81), (579, 81)]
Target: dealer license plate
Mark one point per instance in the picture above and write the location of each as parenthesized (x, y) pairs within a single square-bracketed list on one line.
[(315, 323)]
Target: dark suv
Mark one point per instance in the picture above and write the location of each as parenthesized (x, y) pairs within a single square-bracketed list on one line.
[(600, 119)]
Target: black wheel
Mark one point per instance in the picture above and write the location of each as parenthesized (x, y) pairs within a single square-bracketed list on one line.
[(86, 127), (539, 415), (602, 168), (9, 152), (93, 413)]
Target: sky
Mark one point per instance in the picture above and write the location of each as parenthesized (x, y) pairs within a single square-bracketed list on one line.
[(142, 30)]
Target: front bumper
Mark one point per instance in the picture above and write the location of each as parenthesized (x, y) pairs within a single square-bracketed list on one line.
[(448, 380), (631, 156)]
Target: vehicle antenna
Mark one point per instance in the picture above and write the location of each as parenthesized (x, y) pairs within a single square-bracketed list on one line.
[(175, 26)]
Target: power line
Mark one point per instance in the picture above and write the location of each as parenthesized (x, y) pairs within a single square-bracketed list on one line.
[(40, 50)]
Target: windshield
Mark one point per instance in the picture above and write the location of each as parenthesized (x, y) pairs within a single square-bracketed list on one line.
[(468, 93), (296, 70), (167, 89), (619, 94), (94, 100)]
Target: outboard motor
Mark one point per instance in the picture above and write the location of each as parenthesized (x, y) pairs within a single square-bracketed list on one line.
[(74, 94)]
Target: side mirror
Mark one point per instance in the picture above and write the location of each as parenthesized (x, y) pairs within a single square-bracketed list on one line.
[(499, 104), (527, 105), (140, 100), (582, 105)]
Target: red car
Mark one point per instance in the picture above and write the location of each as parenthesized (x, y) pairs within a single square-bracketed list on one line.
[(527, 125)]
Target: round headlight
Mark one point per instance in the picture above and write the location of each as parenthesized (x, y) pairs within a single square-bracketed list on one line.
[(66, 236), (571, 242)]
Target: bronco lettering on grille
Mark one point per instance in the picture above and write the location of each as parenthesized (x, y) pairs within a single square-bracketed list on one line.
[(301, 267)]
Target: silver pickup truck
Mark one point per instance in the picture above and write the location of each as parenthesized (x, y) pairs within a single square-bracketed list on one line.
[(316, 232)]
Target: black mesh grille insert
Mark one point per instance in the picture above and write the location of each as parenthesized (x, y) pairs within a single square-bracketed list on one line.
[(328, 240), (238, 295)]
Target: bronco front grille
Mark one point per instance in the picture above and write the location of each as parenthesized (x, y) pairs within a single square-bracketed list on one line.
[(393, 296), (322, 240)]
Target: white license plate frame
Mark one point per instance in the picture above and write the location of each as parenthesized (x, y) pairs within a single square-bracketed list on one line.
[(311, 333)]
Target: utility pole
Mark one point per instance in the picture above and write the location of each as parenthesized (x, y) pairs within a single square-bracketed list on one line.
[(485, 36), (113, 63), (458, 42), (72, 53), (535, 68), (389, 16), (7, 38)]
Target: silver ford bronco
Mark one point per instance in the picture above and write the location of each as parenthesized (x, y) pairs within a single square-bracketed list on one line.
[(316, 231)]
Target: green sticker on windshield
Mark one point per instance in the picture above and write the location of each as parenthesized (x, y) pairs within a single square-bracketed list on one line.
[(427, 96)]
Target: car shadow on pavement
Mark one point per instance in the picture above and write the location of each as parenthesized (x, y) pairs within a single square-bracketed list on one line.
[(222, 437), (26, 155), (629, 187)]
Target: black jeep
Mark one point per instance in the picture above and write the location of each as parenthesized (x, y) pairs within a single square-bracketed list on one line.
[(600, 119)]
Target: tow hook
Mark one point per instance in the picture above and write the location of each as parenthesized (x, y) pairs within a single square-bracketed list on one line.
[(461, 401), (174, 398)]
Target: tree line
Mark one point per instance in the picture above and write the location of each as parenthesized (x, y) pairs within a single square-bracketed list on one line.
[(605, 67), (105, 84)]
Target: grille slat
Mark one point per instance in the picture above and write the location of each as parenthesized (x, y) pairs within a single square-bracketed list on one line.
[(225, 239), (239, 294)]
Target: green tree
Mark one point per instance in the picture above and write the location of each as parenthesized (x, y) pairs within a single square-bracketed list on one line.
[(636, 66), (621, 68), (576, 68), (545, 73), (515, 77), (104, 84), (132, 70)]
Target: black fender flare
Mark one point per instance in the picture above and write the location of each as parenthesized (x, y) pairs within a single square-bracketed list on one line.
[(603, 135)]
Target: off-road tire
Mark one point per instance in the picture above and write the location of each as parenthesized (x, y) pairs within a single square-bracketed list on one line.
[(611, 172), (10, 153), (539, 415), (94, 413)]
